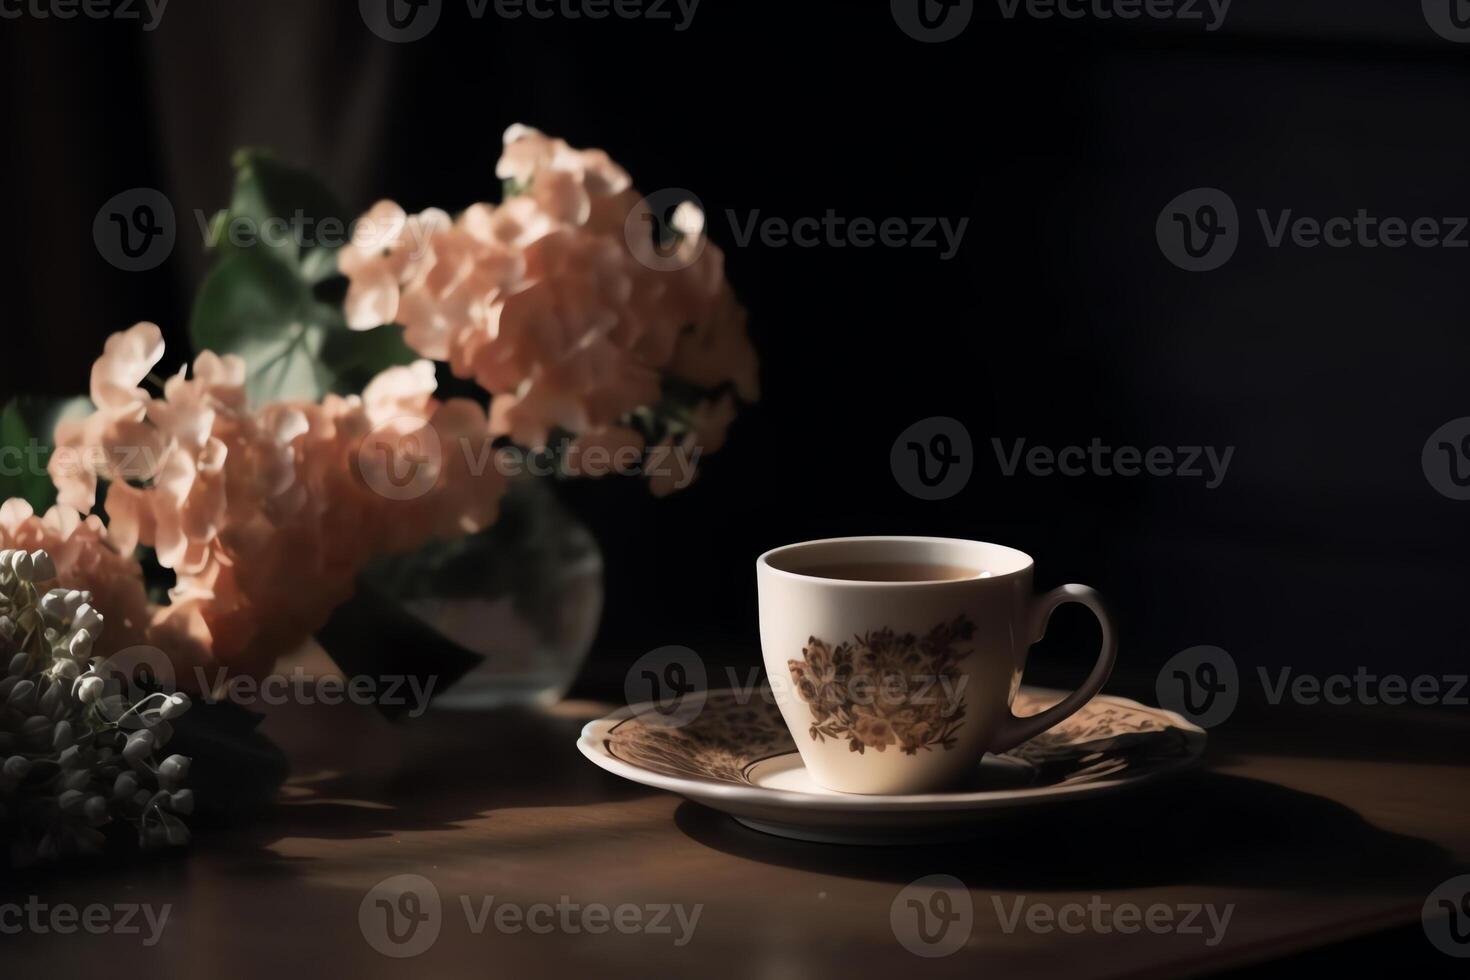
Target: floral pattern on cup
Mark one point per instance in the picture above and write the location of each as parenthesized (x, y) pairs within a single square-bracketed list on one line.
[(887, 689)]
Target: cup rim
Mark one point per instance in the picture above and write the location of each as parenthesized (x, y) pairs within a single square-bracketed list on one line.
[(1025, 564)]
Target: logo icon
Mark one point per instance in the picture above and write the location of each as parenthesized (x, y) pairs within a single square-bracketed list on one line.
[(401, 916), (136, 673), (135, 230), (1446, 459), (933, 459), (401, 21), (1450, 19), (1199, 230), (665, 230), (933, 21), (402, 459), (933, 916), (667, 687), (1202, 684), (1446, 917)]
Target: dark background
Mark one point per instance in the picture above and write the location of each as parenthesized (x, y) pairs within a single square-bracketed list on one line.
[(1059, 320)]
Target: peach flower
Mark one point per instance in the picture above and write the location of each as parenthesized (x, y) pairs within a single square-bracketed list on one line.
[(548, 302), (115, 442), (266, 517), (561, 180), (387, 248)]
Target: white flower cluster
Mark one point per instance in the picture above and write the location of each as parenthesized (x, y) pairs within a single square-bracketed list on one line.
[(18, 568), (77, 754)]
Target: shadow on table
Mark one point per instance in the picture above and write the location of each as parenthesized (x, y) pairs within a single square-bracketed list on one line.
[(357, 778), (434, 773), (1201, 828)]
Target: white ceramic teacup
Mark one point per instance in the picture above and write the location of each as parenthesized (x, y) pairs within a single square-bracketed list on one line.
[(894, 687)]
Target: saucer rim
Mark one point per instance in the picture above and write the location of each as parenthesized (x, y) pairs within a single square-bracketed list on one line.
[(591, 743)]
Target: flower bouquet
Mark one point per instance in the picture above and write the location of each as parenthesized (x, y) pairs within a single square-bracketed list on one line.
[(223, 512)]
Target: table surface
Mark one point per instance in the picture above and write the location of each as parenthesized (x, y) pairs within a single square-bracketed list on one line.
[(1311, 826)]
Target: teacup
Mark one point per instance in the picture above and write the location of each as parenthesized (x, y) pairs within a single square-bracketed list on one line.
[(894, 660)]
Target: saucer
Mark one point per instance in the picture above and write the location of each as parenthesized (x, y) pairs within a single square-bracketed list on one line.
[(738, 757)]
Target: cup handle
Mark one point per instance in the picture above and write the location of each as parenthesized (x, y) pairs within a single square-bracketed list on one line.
[(1013, 730)]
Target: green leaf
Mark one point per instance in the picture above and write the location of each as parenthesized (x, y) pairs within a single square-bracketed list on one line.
[(275, 246), (258, 308), (27, 427), (285, 213), (356, 357)]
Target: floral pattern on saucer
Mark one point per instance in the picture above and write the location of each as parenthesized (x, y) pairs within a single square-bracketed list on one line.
[(1103, 740), (1107, 739), (885, 688), (733, 730)]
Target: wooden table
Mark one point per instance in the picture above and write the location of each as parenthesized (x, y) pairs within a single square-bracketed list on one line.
[(1316, 826)]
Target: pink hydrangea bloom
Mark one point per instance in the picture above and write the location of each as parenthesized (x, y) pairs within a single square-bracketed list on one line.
[(265, 517), (549, 301)]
